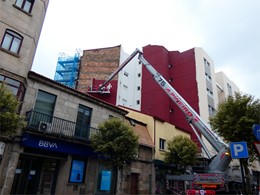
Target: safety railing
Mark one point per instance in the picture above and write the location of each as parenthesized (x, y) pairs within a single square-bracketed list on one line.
[(38, 121)]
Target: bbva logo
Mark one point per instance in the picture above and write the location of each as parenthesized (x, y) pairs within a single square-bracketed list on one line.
[(47, 144)]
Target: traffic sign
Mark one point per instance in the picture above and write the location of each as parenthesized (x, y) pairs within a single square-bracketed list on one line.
[(256, 131), (238, 149), (257, 146)]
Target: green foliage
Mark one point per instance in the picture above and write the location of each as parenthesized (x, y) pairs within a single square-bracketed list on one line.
[(181, 151), (234, 120), (9, 118), (116, 141)]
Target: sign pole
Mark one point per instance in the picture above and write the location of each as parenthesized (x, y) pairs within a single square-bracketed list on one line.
[(242, 175)]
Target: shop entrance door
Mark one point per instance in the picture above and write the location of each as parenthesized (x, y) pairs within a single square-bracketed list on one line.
[(34, 176), (134, 183)]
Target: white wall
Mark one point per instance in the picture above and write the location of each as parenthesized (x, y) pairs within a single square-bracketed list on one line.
[(128, 82), (223, 81)]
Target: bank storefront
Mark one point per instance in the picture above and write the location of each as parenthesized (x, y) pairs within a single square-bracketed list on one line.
[(51, 166)]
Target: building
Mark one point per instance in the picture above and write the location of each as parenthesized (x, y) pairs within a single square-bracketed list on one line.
[(226, 87), (96, 65), (191, 73), (161, 132), (60, 122), (20, 27), (52, 154)]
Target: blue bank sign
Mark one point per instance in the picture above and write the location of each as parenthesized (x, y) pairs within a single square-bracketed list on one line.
[(56, 145), (238, 150)]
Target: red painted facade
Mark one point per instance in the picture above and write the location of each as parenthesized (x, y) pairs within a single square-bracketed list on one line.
[(177, 68), (110, 96)]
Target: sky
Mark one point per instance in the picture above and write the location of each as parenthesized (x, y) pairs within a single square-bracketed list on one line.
[(227, 30)]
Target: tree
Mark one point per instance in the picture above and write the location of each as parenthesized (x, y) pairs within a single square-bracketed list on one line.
[(116, 141), (10, 120), (182, 152), (234, 120)]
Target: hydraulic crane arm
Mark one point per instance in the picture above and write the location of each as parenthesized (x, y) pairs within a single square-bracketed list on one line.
[(119, 68), (220, 162)]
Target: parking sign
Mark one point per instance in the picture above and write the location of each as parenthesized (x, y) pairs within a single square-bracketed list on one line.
[(238, 149)]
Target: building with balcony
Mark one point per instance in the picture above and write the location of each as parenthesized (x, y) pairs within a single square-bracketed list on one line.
[(52, 155), (20, 27)]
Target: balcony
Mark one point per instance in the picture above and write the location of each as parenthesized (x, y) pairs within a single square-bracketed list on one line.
[(40, 122)]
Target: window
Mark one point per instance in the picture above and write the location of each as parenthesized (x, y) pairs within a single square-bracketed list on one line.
[(83, 122), (45, 103), (132, 122), (206, 63), (25, 5), (12, 41), (209, 92), (162, 144), (229, 89), (124, 101), (138, 88), (208, 77), (138, 102), (139, 74), (126, 74), (106, 178), (211, 110), (16, 87), (77, 171)]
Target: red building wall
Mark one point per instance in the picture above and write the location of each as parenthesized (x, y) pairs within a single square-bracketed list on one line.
[(153, 100), (181, 75)]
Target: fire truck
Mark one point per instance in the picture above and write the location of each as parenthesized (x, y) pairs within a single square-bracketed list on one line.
[(218, 163)]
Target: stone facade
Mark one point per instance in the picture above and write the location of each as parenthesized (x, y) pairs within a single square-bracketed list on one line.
[(15, 66), (42, 161), (29, 26)]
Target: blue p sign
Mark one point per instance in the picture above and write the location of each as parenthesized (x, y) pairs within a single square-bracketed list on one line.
[(238, 150)]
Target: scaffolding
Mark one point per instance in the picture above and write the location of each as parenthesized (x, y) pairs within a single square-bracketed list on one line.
[(67, 69)]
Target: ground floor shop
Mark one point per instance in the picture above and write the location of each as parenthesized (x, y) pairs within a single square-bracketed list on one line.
[(41, 165)]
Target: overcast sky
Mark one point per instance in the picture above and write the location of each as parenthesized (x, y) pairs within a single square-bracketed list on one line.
[(228, 30)]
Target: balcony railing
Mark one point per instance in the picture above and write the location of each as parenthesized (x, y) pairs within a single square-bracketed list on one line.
[(37, 121)]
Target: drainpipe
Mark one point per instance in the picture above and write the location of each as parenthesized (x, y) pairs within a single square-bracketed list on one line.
[(154, 133)]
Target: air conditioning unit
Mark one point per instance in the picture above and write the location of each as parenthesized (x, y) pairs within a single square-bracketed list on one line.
[(45, 126)]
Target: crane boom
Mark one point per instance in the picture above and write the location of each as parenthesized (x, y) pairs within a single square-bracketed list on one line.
[(221, 161)]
